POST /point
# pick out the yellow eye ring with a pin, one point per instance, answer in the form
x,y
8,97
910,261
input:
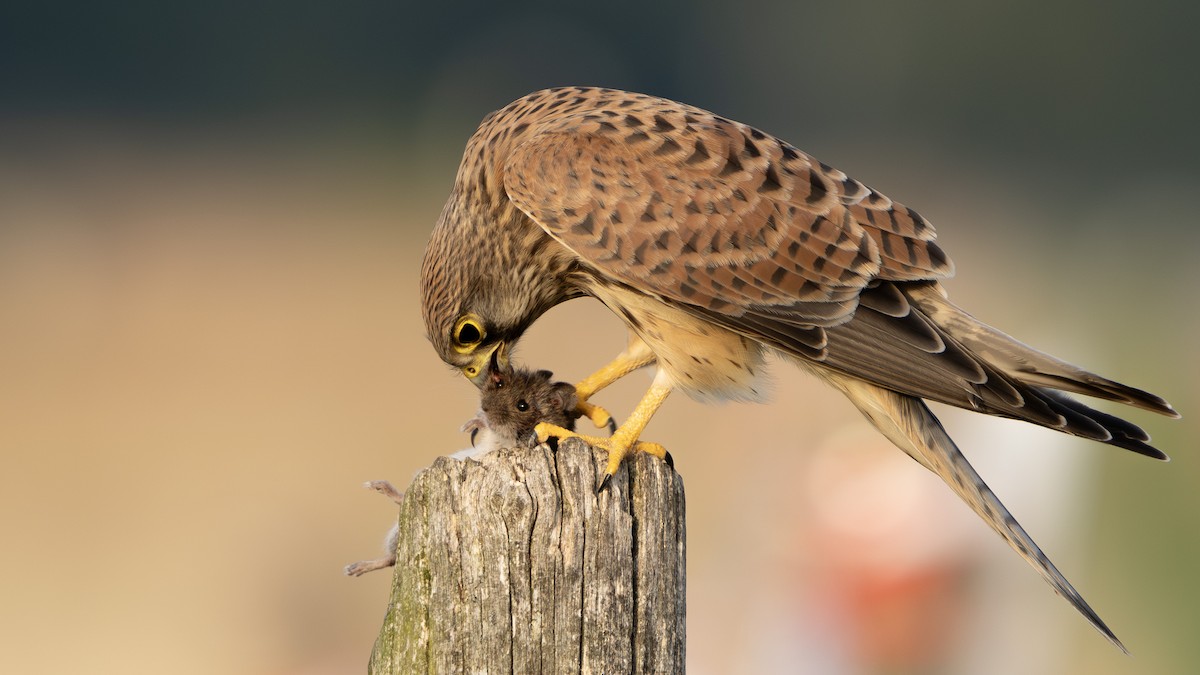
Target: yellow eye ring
x,y
468,333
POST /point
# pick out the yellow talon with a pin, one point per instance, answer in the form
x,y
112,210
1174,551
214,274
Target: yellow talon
x,y
625,439
598,416
545,431
617,449
617,454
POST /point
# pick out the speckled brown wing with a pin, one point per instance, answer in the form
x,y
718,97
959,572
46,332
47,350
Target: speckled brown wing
x,y
752,234
716,215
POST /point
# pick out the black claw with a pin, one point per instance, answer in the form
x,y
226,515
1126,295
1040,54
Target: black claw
x,y
603,483
612,426
670,460
474,433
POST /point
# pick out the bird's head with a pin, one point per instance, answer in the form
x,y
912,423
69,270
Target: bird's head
x,y
474,313
465,324
474,318
488,273
472,350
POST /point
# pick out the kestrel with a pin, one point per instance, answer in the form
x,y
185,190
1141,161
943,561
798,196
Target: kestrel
x,y
716,242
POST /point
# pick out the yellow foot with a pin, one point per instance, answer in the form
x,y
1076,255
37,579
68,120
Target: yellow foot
x,y
599,416
617,445
636,355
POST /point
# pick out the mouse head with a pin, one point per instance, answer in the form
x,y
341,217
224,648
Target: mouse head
x,y
514,400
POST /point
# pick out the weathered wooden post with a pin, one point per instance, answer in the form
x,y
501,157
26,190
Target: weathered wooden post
x,y
514,564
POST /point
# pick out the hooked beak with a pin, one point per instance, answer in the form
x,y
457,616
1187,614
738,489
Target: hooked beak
x,y
485,363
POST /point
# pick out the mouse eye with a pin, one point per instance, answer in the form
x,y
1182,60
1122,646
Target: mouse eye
x,y
522,405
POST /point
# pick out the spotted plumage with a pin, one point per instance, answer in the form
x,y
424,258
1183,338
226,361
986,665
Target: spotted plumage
x,y
716,242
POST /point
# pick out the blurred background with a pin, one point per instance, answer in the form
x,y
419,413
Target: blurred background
x,y
211,219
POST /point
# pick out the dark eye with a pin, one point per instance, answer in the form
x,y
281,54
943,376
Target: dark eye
x,y
468,333
522,405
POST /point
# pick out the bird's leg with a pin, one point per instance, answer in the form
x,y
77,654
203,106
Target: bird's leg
x,y
625,439
626,436
637,354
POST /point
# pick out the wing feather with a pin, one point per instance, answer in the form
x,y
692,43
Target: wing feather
x,y
714,214
741,228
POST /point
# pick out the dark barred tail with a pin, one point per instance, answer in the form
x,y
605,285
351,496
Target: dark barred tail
x,y
908,423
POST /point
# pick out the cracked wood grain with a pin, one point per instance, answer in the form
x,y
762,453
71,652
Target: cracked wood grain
x,y
514,564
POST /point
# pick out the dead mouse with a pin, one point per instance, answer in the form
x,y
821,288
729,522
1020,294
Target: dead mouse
x,y
512,402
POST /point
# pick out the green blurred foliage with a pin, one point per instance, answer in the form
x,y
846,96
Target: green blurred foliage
x,y
1011,77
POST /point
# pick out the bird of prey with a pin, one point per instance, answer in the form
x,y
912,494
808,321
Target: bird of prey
x,y
715,243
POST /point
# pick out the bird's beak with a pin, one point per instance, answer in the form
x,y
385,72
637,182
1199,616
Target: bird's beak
x,y
485,363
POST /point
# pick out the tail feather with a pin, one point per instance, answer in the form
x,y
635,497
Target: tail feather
x,y
1024,363
1121,433
908,423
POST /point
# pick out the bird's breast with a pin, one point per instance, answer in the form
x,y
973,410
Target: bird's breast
x,y
705,360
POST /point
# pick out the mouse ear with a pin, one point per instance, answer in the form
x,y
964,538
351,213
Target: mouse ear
x,y
495,376
544,374
498,368
565,396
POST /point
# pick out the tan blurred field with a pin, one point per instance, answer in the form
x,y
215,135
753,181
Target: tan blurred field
x,y
207,345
